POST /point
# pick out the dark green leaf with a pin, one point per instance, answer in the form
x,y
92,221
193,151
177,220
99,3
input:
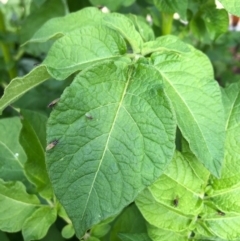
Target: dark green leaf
x,y
134,237
101,163
34,129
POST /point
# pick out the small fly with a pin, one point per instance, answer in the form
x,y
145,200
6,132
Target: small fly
x,y
175,202
51,145
220,213
89,116
53,103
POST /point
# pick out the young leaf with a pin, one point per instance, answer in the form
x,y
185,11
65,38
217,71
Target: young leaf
x,y
165,43
12,154
134,237
232,6
68,231
126,28
16,205
58,27
82,48
101,164
196,98
34,129
37,225
19,86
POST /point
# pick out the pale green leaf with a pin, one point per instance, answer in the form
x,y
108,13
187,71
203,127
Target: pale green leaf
x,y
165,43
143,27
82,48
112,5
68,231
126,28
181,187
161,216
115,130
134,237
16,205
58,27
38,224
196,98
12,154
20,85
232,6
34,129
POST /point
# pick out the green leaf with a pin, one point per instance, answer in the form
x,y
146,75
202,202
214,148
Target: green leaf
x,y
108,148
68,231
112,5
216,21
134,237
165,43
196,98
34,129
143,27
12,154
3,236
21,85
37,225
39,16
58,27
126,28
172,6
232,6
16,205
129,221
82,48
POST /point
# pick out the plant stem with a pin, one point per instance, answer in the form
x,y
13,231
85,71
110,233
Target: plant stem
x,y
167,19
6,51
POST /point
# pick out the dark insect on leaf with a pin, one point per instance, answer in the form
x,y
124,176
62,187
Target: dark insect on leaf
x,y
51,145
175,202
220,213
88,116
53,103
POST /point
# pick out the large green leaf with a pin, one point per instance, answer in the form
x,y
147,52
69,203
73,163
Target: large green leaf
x,y
82,48
232,6
58,27
19,86
196,98
16,205
115,134
12,155
126,28
34,129
37,225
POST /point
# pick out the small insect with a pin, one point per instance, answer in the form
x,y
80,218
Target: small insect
x,y
53,103
220,213
51,145
89,116
175,202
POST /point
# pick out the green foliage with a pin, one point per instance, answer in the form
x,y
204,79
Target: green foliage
x,y
139,141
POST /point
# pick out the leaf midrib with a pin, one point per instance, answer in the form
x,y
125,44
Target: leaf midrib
x,y
105,149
